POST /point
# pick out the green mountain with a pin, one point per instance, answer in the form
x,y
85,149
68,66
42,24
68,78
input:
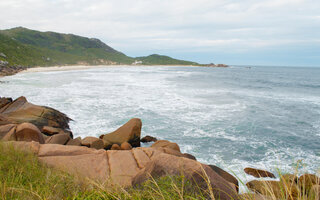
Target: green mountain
x,y
22,46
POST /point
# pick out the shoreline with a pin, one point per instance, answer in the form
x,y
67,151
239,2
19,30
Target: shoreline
x,y
83,67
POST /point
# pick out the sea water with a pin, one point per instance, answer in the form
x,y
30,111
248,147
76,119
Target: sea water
x,y
236,117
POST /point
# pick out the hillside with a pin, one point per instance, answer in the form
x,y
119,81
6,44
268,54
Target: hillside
x,y
22,46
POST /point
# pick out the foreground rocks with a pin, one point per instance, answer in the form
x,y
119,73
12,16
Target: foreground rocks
x,y
127,168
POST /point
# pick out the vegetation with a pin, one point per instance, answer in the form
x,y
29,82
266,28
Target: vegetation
x,y
26,47
23,177
163,60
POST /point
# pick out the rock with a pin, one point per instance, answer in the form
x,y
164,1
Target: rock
x,y
123,167
92,142
226,176
30,147
58,139
130,132
20,111
28,132
48,150
4,101
187,155
5,129
306,181
289,178
289,184
314,192
126,146
115,147
258,173
93,165
202,175
3,63
167,144
267,188
74,142
253,196
148,139
48,130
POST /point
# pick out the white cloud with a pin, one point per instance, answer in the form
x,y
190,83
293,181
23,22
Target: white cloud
x,y
177,25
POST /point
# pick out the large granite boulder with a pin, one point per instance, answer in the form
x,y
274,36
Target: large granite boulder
x,y
20,111
7,132
92,142
130,132
4,101
60,138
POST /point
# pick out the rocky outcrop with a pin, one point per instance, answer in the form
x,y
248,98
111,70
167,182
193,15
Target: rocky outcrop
x,y
127,167
228,177
7,70
28,132
258,173
92,142
20,111
130,132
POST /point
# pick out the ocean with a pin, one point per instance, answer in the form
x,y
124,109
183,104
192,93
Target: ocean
x,y
236,117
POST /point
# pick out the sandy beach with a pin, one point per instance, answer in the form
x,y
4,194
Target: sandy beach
x,y
66,68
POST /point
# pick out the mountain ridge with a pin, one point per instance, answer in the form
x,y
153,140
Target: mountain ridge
x,y
30,48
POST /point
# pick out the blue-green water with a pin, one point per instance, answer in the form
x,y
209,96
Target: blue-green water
x,y
265,117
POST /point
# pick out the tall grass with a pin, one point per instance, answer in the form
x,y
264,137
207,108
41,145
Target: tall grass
x,y
23,177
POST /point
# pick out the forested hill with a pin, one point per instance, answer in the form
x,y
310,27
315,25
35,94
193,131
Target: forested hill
x,y
22,46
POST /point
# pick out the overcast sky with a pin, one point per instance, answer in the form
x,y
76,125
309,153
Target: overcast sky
x,y
262,32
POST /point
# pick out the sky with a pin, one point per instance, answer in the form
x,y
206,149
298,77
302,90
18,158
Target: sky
x,y
236,32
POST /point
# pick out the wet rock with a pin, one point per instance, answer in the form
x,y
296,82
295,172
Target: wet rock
x,y
130,132
258,173
148,139
166,144
267,188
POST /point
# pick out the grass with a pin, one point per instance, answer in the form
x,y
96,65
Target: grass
x,y
23,177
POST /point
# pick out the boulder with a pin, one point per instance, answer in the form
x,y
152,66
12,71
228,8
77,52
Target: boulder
x,y
115,147
58,139
28,132
7,132
4,101
30,147
306,181
267,188
74,142
48,130
126,146
92,142
226,176
166,144
20,111
202,175
258,173
148,138
187,155
130,132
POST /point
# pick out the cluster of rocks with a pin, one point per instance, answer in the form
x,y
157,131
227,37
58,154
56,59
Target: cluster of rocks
x,y
115,158
7,70
217,65
290,186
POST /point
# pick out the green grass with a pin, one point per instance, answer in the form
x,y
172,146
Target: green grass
x,y
163,60
23,177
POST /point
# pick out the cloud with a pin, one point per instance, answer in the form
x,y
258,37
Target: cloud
x,y
177,26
